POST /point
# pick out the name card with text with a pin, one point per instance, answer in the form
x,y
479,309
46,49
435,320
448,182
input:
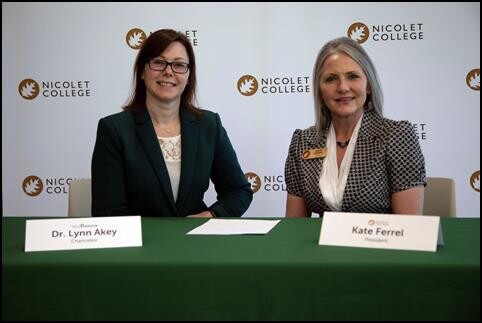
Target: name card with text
x,y
83,233
383,231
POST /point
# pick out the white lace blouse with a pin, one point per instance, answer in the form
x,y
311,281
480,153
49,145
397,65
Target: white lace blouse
x,y
171,150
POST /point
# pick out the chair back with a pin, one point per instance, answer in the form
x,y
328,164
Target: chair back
x,y
439,197
80,198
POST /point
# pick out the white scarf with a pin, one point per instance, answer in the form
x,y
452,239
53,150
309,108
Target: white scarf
x,y
333,181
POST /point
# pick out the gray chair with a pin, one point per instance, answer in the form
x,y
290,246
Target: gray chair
x,y
439,197
80,198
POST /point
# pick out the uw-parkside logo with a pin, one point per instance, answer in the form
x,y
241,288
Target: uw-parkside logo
x,y
269,183
473,79
361,32
475,181
248,85
136,37
29,89
33,185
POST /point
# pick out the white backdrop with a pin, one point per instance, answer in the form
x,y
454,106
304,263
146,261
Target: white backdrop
x,y
66,65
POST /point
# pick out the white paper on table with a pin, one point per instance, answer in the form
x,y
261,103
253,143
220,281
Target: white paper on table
x,y
235,226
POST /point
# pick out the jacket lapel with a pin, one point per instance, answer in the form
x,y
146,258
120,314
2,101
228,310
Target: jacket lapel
x,y
147,137
315,142
365,157
189,145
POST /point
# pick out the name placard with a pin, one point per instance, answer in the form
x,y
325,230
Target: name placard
x,y
83,233
383,231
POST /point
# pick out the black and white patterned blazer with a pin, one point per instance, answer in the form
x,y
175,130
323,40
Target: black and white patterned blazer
x,y
387,159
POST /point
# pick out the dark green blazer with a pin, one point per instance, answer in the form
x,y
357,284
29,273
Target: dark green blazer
x,y
129,175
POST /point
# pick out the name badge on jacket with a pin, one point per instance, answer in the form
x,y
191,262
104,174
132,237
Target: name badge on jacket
x,y
315,153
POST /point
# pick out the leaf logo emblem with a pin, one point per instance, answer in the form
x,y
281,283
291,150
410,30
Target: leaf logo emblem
x,y
254,180
247,85
135,38
32,185
475,181
28,89
473,79
359,32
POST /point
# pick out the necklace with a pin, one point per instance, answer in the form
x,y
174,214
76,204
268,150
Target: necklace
x,y
343,144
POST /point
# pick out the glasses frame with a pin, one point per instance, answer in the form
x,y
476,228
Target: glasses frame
x,y
168,64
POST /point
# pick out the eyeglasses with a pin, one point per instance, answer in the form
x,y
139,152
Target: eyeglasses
x,y
157,64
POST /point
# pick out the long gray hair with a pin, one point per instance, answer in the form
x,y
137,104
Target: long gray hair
x,y
351,48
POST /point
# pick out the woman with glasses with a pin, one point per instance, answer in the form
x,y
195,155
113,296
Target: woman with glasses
x,y
157,157
353,159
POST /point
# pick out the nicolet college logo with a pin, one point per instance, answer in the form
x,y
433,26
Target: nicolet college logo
x,y
28,89
359,32
473,79
254,180
135,38
269,183
475,181
247,85
32,185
